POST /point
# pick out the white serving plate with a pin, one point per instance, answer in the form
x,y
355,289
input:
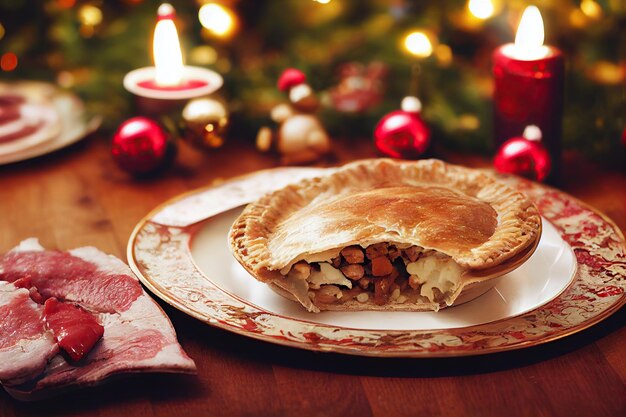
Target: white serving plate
x,y
544,276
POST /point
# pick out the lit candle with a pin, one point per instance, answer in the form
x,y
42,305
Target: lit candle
x,y
528,90
168,59
169,83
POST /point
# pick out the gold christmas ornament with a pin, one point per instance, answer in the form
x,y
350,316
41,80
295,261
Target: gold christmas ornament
x,y
205,121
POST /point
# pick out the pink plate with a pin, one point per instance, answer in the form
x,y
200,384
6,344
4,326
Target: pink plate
x,y
576,278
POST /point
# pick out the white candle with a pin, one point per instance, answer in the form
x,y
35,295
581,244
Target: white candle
x,y
169,79
168,59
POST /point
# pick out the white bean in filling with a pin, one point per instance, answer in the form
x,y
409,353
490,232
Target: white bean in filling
x,y
327,275
433,272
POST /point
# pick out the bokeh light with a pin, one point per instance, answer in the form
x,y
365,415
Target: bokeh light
x,y
90,15
203,55
482,9
418,44
607,73
577,18
66,79
468,121
444,56
591,9
217,19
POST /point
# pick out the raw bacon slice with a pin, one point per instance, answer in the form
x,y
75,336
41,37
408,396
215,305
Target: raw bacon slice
x,y
26,283
25,346
70,277
138,336
75,330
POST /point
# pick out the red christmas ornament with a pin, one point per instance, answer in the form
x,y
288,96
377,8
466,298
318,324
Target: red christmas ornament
x,y
525,156
403,133
139,145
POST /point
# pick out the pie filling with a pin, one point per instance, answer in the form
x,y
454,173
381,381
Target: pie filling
x,y
382,273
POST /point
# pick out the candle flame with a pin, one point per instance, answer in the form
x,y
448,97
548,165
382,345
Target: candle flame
x,y
530,35
168,58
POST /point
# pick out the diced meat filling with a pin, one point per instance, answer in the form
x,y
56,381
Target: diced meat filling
x,y
353,271
412,253
381,266
382,272
353,255
376,250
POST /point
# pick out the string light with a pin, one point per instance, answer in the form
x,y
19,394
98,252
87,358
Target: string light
x,y
90,15
217,19
203,55
591,9
577,18
608,73
443,54
481,9
468,122
418,44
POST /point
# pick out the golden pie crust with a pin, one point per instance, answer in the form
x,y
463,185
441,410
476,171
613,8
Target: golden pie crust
x,y
460,213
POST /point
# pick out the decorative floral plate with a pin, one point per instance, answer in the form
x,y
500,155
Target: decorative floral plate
x,y
66,110
575,278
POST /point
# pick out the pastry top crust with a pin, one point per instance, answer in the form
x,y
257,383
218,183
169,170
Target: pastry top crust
x,y
464,213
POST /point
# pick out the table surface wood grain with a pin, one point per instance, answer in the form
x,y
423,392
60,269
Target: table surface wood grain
x,y
78,197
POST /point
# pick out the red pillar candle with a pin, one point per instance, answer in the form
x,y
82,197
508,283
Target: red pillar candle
x,y
528,90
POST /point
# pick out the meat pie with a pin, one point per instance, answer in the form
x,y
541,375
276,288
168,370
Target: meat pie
x,y
387,235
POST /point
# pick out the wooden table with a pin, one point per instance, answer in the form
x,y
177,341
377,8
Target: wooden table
x,y
78,197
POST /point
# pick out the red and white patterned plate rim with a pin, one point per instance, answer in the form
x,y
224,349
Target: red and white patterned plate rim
x,y
159,253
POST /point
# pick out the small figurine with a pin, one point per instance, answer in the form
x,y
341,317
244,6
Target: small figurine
x,y
300,138
360,87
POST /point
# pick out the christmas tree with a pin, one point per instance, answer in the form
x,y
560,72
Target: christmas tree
x,y
365,50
